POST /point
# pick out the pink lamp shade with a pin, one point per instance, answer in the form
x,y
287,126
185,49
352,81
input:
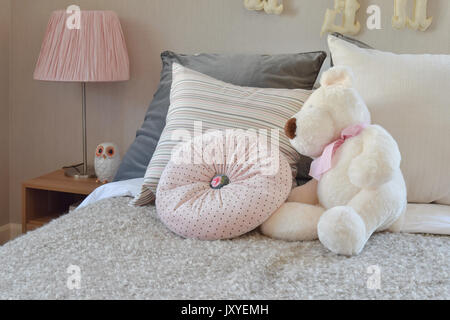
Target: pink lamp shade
x,y
96,52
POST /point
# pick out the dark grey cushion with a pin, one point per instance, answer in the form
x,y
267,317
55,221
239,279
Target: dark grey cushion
x,y
288,71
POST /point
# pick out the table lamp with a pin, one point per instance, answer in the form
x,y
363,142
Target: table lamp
x,y
94,51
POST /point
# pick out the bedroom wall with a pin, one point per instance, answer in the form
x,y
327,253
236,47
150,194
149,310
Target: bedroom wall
x,y
4,110
46,127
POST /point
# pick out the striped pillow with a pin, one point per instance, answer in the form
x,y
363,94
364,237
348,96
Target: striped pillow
x,y
199,103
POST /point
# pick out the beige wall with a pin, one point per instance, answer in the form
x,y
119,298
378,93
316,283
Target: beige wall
x,y
4,109
45,127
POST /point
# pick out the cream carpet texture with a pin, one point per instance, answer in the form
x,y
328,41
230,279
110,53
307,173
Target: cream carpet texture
x,y
120,252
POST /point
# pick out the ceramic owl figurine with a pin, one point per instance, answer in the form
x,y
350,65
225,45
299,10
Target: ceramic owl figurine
x,y
107,161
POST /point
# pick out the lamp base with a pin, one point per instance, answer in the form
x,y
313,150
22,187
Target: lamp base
x,y
76,172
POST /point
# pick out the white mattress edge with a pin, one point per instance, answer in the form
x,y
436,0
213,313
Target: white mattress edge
x,y
419,218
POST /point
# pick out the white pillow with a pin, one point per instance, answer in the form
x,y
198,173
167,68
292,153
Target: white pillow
x,y
195,98
409,95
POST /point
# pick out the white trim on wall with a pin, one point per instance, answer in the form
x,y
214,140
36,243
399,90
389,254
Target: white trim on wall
x,y
9,232
15,230
5,234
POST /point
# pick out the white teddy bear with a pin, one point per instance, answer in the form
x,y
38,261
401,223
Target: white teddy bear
x,y
358,187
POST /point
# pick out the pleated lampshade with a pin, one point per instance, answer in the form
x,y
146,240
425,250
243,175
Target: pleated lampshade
x,y
96,52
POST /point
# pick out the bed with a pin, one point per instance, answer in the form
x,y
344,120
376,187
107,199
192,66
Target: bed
x,y
125,252
109,249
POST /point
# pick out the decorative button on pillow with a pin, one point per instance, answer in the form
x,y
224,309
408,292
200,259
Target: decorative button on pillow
x,y
222,185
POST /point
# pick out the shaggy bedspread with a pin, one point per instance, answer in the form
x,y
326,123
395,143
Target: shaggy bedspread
x,y
126,253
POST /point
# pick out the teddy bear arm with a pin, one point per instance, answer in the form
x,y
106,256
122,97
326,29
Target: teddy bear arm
x,y
379,160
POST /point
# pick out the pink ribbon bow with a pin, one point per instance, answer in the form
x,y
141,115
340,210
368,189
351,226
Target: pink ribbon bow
x,y
323,163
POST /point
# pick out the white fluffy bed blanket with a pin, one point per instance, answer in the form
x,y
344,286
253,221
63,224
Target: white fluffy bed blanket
x,y
126,253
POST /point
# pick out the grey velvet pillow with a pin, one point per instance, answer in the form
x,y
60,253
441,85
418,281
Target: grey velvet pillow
x,y
288,71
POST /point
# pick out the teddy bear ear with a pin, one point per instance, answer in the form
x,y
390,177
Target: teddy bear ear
x,y
338,76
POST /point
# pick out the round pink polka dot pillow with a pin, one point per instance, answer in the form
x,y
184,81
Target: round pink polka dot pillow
x,y
222,185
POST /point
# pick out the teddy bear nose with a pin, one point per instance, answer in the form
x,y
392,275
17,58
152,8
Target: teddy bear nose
x,y
291,128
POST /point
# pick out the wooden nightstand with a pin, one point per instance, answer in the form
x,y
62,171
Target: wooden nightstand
x,y
50,196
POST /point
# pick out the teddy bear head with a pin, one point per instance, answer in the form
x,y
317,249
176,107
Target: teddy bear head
x,y
333,107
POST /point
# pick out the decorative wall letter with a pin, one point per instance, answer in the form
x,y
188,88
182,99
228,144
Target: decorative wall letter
x,y
272,7
419,21
400,16
269,6
74,20
254,4
374,20
348,9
